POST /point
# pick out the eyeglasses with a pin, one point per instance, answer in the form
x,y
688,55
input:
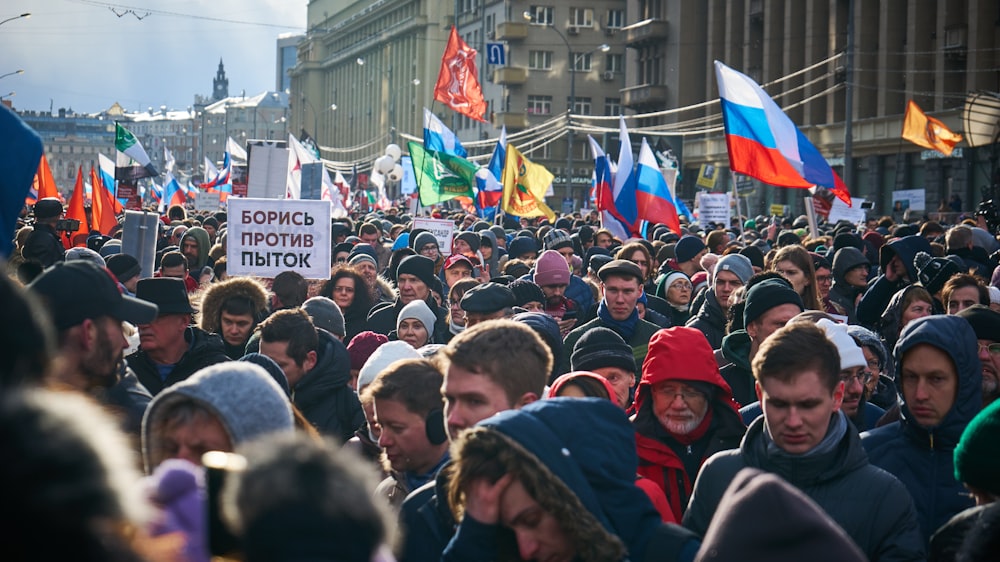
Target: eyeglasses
x,y
343,289
992,348
864,377
824,279
687,396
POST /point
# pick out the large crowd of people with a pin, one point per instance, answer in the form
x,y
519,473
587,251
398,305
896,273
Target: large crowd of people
x,y
545,391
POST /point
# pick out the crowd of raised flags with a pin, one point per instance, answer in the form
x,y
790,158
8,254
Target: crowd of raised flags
x,y
628,193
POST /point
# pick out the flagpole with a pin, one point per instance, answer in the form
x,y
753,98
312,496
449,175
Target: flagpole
x,y
736,195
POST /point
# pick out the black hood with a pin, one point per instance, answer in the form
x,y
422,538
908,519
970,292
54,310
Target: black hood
x,y
332,371
906,248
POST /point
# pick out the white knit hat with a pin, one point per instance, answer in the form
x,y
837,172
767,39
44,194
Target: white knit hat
x,y
387,354
851,355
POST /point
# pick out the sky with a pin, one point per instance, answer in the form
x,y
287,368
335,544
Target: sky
x,y
80,55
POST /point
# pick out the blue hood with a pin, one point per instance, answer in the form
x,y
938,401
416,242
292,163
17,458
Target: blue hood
x,y
589,444
906,248
954,336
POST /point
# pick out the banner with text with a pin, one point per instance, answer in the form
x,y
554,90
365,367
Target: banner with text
x,y
905,199
268,236
841,212
714,207
442,229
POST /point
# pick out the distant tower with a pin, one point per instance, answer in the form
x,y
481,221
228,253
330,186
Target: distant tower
x,y
220,84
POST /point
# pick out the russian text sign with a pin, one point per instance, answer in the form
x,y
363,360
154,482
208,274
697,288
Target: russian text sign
x,y
268,236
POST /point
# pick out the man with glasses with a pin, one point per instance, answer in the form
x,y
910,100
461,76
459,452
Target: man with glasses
x,y
684,413
985,323
805,438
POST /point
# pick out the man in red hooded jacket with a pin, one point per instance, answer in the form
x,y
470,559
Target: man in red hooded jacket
x,y
684,412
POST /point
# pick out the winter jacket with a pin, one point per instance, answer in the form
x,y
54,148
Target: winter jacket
x,y
682,354
841,294
869,504
43,246
382,318
585,445
711,320
922,457
639,340
881,289
948,539
737,372
204,349
426,521
578,290
323,396
127,397
217,294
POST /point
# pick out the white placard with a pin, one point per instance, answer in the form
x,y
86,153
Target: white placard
x,y
268,236
442,229
839,211
268,173
714,207
206,201
904,199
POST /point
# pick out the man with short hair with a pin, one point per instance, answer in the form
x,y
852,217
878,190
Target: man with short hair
x,y
960,241
414,279
604,238
232,309
289,290
44,246
489,301
685,413
408,409
478,383
371,234
939,377
87,313
170,348
805,438
173,265
456,268
318,369
985,323
962,291
731,272
769,305
621,285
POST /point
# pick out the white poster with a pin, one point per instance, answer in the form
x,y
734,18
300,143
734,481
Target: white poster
x,y
714,207
841,212
442,229
909,199
206,201
268,236
268,173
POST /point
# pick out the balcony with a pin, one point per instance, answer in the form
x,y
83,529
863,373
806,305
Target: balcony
x,y
645,95
510,75
510,120
511,30
646,31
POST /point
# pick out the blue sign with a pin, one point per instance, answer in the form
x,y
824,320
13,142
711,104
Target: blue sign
x,y
496,54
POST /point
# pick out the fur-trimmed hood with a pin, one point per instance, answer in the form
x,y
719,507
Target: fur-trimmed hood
x,y
218,293
384,290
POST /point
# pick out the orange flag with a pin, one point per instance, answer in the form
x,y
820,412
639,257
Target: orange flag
x,y
928,132
76,211
45,184
103,217
458,83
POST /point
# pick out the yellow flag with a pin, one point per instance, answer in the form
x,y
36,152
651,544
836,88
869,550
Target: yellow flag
x,y
524,186
928,132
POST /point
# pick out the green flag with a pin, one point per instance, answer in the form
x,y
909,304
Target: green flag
x,y
132,162
441,176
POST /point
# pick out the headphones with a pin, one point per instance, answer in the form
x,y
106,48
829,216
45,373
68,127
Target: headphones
x,y
434,427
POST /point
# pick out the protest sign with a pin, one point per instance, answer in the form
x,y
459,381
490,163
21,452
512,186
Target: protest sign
x,y
909,199
268,236
442,229
854,214
206,201
714,207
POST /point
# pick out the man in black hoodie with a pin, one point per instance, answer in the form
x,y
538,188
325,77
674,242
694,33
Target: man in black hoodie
x,y
317,367
850,279
897,271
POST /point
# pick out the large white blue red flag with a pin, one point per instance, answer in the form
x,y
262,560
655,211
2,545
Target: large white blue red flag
x,y
440,138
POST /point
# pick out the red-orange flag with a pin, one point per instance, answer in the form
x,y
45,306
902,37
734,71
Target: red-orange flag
x,y
76,211
928,132
44,184
458,83
102,214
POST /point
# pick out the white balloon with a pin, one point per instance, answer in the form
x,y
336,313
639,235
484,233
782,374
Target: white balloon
x,y
393,151
383,164
396,173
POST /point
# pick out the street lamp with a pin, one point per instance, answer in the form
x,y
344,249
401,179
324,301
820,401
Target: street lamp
x,y
573,61
24,15
8,95
18,71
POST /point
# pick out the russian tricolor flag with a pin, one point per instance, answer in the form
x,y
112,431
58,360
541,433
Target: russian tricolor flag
x,y
764,143
489,190
604,177
652,195
440,138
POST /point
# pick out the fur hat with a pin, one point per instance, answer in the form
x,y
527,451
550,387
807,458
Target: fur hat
x,y
217,294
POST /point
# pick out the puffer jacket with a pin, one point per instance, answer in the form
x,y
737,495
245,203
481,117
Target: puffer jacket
x,y
842,294
682,354
922,457
205,349
870,505
323,396
710,320
210,318
737,372
880,290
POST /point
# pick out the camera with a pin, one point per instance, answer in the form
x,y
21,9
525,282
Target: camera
x,y
67,225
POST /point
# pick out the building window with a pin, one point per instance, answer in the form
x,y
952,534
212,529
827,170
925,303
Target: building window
x,y
614,63
540,60
541,15
582,62
581,17
540,105
616,19
612,106
581,106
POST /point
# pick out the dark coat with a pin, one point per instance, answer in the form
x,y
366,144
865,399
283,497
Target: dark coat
x,y
922,457
711,320
426,521
323,396
841,293
881,289
43,246
204,350
639,340
868,503
737,372
382,318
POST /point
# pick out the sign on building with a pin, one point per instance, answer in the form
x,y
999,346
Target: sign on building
x,y
496,54
268,236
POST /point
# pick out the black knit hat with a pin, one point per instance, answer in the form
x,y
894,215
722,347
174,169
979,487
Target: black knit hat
x,y
124,266
934,272
755,256
419,266
766,295
985,321
525,291
687,248
471,238
602,347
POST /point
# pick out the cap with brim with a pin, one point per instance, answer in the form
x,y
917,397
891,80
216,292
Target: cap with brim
x,y
457,258
620,267
79,290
